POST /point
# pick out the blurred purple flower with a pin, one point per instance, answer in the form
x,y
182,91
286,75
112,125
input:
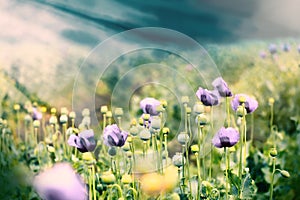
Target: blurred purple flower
x,y
113,136
208,98
36,115
221,86
60,183
273,48
286,47
148,105
299,48
250,103
226,137
263,54
84,142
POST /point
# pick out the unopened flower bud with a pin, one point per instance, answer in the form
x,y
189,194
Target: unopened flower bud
x,y
119,112
285,173
166,130
164,103
126,179
87,156
188,110
146,117
108,177
53,111
36,123
43,109
271,101
133,122
194,148
185,99
103,109
112,151
141,121
273,152
109,114
72,115
16,107
50,149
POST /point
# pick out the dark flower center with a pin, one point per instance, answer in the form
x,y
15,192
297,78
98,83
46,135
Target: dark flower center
x,y
149,109
225,141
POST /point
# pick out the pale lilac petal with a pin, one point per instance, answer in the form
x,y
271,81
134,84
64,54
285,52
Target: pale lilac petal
x,y
60,182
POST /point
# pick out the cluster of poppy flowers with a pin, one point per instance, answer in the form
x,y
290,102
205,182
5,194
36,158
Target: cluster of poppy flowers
x,y
114,136
225,137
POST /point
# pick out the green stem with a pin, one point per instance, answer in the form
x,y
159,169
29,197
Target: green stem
x,y
199,175
90,185
228,111
272,178
104,121
211,146
119,122
226,172
94,182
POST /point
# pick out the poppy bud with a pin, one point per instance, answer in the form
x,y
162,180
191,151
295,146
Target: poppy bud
x,y
103,109
273,152
285,173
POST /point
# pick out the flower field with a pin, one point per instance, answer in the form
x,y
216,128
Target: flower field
x,y
237,137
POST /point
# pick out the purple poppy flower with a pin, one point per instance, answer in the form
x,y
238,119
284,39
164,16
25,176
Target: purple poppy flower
x,y
208,98
299,48
113,136
60,183
148,105
273,48
84,142
250,103
36,115
221,86
226,137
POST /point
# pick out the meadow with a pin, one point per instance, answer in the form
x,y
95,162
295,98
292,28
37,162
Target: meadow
x,y
236,137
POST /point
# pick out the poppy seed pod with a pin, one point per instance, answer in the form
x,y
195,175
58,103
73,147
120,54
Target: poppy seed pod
x,y
145,135
178,160
183,138
198,108
109,114
155,122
